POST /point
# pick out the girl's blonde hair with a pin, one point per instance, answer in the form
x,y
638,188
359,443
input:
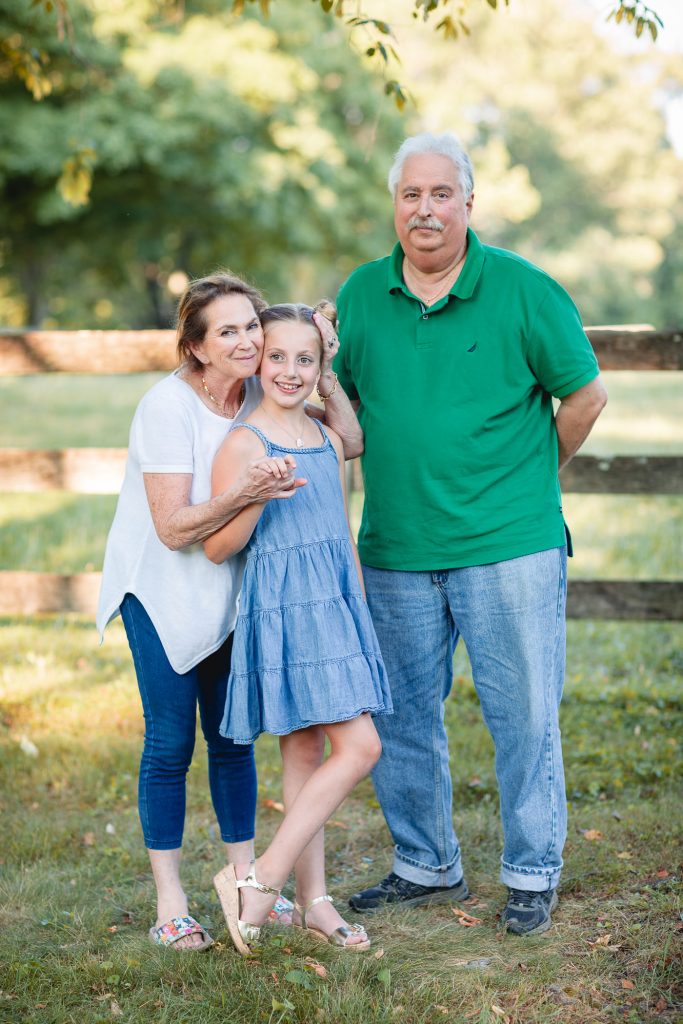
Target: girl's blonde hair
x,y
297,312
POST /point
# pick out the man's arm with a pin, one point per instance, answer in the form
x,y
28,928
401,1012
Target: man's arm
x,y
575,418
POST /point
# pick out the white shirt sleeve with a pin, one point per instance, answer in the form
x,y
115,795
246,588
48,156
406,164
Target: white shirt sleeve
x,y
162,436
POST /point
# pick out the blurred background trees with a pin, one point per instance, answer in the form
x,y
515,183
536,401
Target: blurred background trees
x,y
166,140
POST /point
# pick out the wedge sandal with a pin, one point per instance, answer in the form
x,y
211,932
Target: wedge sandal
x,y
228,885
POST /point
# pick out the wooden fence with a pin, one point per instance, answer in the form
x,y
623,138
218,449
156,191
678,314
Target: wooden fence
x,y
100,470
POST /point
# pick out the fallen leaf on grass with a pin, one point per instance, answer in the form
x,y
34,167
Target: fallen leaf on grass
x,y
276,980
335,824
474,782
661,1004
40,1006
627,983
500,1012
625,855
299,978
88,839
113,928
466,920
663,874
317,968
604,941
472,965
274,805
441,1009
116,1010
28,747
591,833
379,954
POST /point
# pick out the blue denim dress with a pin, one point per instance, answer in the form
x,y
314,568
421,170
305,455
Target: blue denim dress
x,y
304,650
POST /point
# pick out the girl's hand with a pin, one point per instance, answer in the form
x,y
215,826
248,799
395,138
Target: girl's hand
x,y
272,477
330,342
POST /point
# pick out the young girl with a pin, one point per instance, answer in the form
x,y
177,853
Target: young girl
x,y
306,663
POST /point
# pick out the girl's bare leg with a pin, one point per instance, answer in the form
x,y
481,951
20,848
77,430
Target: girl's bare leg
x,y
302,753
355,748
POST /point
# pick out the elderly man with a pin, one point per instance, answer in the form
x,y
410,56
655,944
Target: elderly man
x,y
454,350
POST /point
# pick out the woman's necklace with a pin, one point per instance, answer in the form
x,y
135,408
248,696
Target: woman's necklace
x,y
299,441
240,399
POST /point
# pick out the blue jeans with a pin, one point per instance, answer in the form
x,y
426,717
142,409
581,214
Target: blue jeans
x,y
511,617
169,703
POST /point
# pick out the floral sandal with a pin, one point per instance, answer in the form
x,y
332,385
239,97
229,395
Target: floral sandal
x,y
178,928
340,936
228,885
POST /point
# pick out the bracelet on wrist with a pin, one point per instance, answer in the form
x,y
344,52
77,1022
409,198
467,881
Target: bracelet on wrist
x,y
322,397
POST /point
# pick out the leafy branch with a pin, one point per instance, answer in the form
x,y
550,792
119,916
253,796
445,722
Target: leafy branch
x,y
448,21
638,14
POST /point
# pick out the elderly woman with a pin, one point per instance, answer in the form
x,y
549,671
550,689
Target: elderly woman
x,y
178,608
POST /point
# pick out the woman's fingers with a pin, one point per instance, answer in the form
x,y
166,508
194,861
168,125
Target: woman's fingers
x,y
273,477
329,336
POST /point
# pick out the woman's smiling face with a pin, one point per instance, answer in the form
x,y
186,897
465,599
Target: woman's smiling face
x,y
233,341
291,361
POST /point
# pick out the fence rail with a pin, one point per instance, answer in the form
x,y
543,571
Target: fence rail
x,y
25,352
100,470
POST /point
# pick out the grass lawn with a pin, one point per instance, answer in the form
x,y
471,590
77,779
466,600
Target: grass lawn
x,y
75,887
76,891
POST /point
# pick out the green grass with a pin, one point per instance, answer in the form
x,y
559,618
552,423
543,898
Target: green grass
x,y
76,893
65,410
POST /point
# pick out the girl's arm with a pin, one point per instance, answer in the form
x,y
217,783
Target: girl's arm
x,y
239,449
338,447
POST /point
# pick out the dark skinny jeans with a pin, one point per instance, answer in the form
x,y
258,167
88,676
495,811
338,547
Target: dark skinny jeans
x,y
169,703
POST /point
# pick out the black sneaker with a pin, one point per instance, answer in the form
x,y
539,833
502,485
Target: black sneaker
x,y
394,889
528,913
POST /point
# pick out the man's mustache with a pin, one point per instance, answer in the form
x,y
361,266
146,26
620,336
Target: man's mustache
x,y
433,223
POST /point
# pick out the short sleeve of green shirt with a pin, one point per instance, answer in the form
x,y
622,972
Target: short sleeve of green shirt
x,y
558,351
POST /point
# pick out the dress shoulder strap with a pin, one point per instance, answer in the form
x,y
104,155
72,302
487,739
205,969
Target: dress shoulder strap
x,y
259,433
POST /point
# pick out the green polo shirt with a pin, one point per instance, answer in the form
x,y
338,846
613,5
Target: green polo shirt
x,y
460,462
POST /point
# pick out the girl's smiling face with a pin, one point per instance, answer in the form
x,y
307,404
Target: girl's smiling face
x,y
291,361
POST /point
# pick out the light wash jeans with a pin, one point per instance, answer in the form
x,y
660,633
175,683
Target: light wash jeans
x,y
511,616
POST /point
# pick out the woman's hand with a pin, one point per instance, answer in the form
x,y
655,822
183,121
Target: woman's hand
x,y
330,346
271,477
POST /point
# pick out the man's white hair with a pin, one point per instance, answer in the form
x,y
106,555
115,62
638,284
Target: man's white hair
x,y
444,145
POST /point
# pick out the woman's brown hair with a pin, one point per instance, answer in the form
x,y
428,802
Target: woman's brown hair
x,y
191,322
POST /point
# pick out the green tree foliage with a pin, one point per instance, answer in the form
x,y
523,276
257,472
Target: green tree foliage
x,y
568,139
173,141
181,143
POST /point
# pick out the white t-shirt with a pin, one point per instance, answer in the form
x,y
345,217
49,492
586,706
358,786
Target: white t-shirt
x,y
191,601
